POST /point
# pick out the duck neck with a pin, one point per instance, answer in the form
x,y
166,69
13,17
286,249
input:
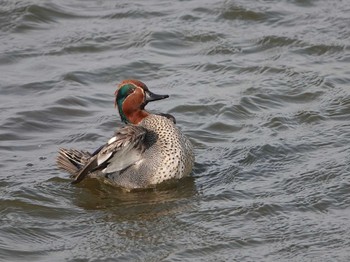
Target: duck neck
x,y
136,116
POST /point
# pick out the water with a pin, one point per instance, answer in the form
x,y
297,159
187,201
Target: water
x,y
260,87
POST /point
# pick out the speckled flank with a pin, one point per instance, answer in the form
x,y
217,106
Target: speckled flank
x,y
169,155
174,154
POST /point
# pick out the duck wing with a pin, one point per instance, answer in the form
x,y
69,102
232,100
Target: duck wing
x,y
121,151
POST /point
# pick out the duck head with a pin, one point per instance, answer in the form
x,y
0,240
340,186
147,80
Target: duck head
x,y
131,98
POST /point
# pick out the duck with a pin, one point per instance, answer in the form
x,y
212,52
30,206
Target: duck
x,y
147,151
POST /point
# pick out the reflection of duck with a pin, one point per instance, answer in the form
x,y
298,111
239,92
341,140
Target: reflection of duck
x,y
147,151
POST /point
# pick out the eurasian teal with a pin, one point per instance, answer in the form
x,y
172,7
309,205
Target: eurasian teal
x,y
149,150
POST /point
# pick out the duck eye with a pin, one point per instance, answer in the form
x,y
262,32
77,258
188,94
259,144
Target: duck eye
x,y
130,91
125,91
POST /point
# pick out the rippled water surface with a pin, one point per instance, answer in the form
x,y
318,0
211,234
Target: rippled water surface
x,y
262,88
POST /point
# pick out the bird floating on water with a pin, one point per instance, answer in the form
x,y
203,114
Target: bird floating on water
x,y
148,150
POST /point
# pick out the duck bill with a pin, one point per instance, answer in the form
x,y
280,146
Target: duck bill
x,y
154,97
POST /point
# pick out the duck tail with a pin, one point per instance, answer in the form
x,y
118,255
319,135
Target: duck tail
x,y
71,160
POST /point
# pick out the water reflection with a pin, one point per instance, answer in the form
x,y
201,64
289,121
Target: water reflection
x,y
165,200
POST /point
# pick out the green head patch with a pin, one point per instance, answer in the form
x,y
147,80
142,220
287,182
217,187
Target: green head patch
x,y
122,94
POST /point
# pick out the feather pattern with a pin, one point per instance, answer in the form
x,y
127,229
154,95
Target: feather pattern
x,y
123,150
72,160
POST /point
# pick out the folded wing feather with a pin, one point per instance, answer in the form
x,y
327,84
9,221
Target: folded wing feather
x,y
121,151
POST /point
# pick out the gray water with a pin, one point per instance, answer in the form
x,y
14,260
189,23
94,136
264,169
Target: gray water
x,y
262,88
